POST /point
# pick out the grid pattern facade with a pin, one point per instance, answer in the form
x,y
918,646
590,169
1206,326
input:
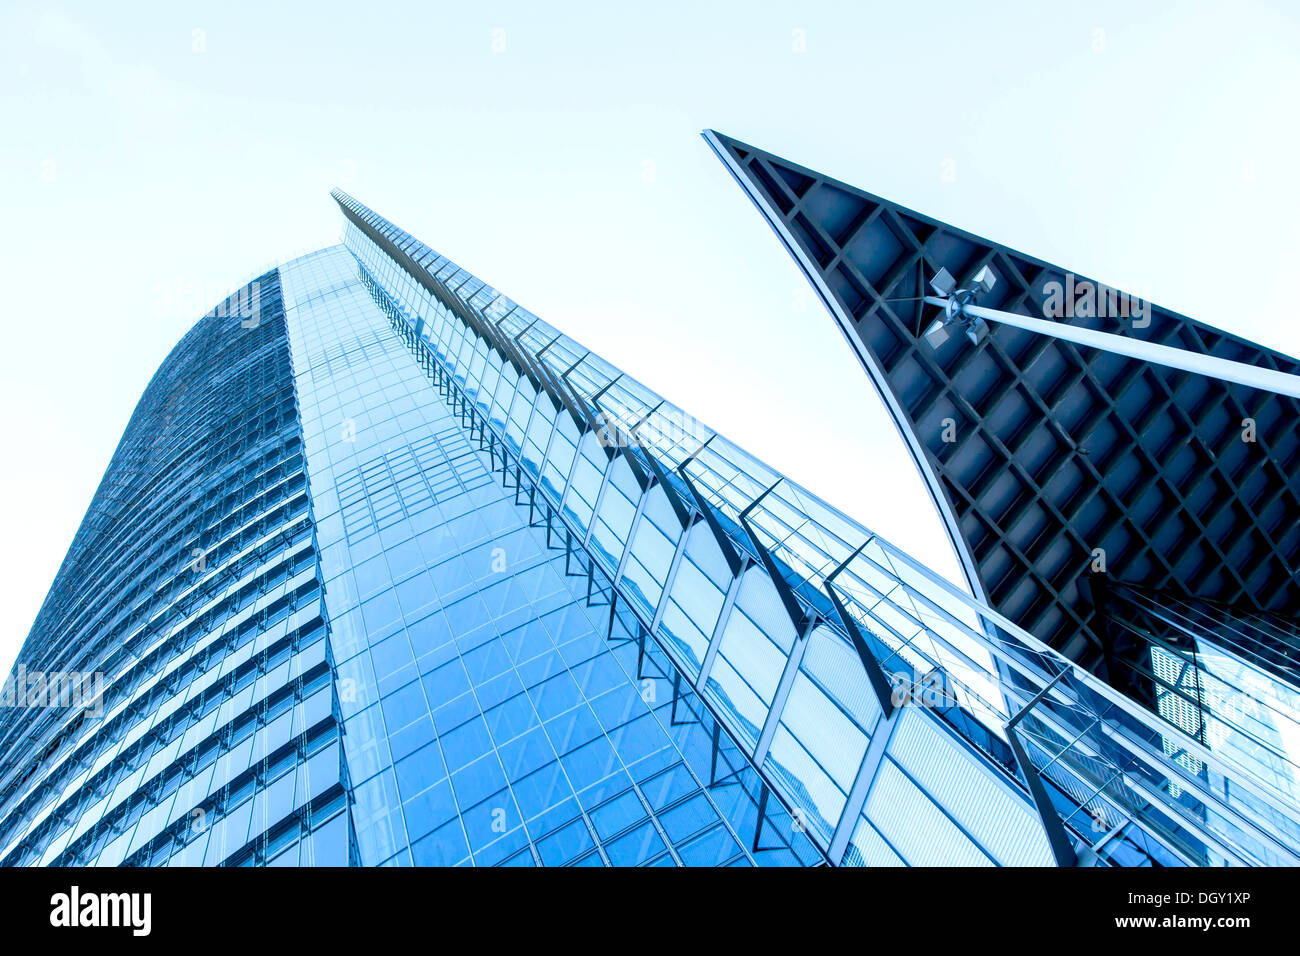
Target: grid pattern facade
x,y
779,683
192,591
490,716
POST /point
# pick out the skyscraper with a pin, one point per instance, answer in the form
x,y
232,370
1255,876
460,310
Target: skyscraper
x,y
388,571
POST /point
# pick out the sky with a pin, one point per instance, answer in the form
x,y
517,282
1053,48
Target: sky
x,y
157,156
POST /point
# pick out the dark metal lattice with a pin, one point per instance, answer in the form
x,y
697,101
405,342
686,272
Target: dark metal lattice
x,y
1037,451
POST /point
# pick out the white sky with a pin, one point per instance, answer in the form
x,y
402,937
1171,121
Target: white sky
x,y
150,169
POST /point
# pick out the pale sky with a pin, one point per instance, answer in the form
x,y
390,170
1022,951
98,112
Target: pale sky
x,y
158,155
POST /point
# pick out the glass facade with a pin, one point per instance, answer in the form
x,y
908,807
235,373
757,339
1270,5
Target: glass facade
x,y
191,604
1225,678
488,715
388,571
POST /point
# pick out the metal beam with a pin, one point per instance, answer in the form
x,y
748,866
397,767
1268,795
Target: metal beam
x,y
1251,376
